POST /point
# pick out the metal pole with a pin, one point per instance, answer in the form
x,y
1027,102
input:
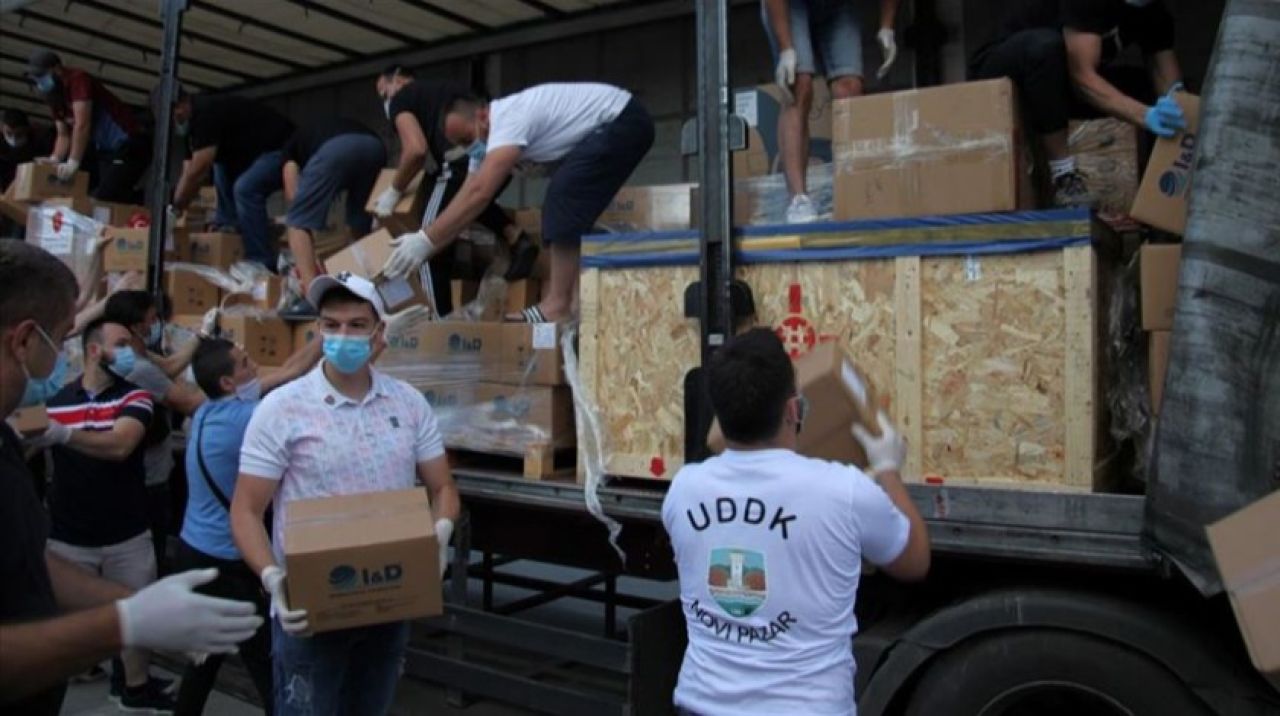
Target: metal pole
x,y
171,14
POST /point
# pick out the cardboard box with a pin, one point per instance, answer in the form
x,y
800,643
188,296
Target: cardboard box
x,y
545,411
189,293
839,395
1166,185
29,421
1158,278
125,215
1246,546
216,249
531,354
267,291
357,560
409,210
79,204
761,107
953,149
463,292
14,211
1157,365
366,258
37,181
434,352
522,294
268,340
529,220
648,208
67,234
1106,152
128,249
304,333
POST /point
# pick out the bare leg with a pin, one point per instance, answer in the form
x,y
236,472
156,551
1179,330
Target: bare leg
x,y
793,135
562,294
846,87
304,256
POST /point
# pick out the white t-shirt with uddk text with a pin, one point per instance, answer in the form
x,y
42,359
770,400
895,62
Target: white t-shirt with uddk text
x,y
769,547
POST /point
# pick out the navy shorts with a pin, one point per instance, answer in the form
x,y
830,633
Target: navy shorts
x,y
347,162
591,174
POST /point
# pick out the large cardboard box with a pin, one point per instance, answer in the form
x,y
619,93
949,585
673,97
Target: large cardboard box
x,y
366,258
357,560
1166,185
37,181
128,215
304,332
648,208
838,396
761,107
543,413
268,340
953,149
216,249
522,294
29,421
1246,546
14,211
65,233
189,293
409,210
1158,278
1157,366
437,352
265,294
127,250
531,354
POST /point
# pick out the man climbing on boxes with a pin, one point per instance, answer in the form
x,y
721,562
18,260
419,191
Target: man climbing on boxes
x,y
1061,56
588,137
342,429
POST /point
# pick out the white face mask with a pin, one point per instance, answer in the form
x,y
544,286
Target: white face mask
x,y
386,107
14,140
1138,3
250,391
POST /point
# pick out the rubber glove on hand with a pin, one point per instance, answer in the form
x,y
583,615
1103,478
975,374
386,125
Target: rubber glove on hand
x,y
1165,117
885,452
209,324
293,621
55,434
409,252
785,74
169,616
67,169
444,532
385,204
888,48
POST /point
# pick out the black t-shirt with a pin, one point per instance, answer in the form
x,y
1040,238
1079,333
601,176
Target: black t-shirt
x,y
427,101
1119,23
26,593
242,129
310,136
94,502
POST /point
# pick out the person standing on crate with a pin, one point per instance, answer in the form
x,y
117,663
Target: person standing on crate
x,y
811,37
342,429
324,157
587,137
94,129
1060,54
235,386
769,545
241,141
415,108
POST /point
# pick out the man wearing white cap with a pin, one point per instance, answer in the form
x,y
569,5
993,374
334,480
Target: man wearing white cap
x,y
344,428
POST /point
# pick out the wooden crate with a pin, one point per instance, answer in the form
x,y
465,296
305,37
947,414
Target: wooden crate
x,y
991,360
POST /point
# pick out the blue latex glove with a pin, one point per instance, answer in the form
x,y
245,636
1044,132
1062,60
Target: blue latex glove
x,y
1165,117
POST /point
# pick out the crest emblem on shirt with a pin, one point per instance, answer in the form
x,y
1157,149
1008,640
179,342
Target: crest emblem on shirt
x,y
736,580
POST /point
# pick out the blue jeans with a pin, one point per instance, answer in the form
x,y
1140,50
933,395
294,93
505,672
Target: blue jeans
x,y
351,671
242,203
826,36
347,162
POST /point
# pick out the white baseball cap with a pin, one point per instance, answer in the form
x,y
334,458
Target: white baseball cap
x,y
358,285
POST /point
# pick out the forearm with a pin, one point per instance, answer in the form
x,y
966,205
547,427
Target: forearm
x,y
189,182
176,362
461,212
891,482
294,367
290,181
79,140
37,655
101,444
251,539
75,588
61,145
1165,70
445,502
888,14
1103,95
411,161
780,22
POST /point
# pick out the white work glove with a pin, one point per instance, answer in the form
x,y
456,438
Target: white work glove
x,y
55,434
169,616
385,204
889,48
67,169
785,74
209,323
885,452
293,621
410,250
444,533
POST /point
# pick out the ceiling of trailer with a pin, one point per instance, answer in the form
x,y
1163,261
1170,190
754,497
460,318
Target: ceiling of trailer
x,y
227,43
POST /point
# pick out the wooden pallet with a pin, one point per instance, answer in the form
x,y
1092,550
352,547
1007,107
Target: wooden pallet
x,y
536,462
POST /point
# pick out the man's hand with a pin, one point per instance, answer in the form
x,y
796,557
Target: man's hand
x,y
1165,117
410,250
55,434
888,48
785,74
385,204
444,532
66,170
169,616
293,621
885,452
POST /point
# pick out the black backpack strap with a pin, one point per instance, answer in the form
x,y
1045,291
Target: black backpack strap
x,y
204,469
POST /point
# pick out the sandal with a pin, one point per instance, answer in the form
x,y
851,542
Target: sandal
x,y
532,314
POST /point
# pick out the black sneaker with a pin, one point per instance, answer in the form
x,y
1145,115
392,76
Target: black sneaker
x,y
97,673
1071,191
152,697
299,310
162,685
524,253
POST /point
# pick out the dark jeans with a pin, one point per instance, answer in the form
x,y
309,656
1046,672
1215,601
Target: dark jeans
x,y
235,581
350,671
1036,61
116,174
160,515
242,203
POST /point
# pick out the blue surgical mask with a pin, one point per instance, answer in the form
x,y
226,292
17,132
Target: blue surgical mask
x,y
39,390
45,83
347,353
124,361
477,149
181,128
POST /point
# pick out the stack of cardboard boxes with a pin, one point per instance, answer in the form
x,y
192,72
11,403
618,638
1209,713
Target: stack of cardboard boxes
x,y
1158,278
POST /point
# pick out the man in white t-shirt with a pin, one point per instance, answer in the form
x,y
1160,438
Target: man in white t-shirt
x,y
342,429
587,137
769,546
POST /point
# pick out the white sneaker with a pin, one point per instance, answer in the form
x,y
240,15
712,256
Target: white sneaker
x,y
801,210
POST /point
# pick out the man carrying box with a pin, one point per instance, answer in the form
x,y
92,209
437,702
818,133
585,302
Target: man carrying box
x,y
589,136
769,545
1060,52
342,429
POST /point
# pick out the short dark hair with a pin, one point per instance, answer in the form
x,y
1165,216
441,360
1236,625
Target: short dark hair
x,y
465,104
92,332
34,285
341,294
16,118
397,70
211,363
128,308
750,380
